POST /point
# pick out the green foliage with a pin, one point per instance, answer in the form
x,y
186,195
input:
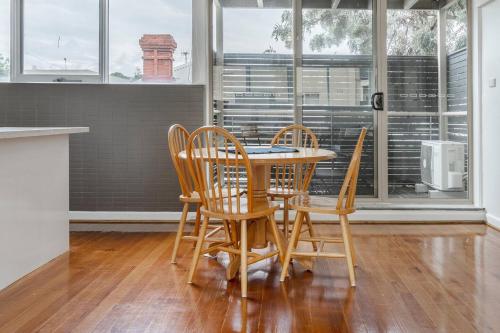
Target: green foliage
x,y
120,75
137,75
409,32
283,31
350,26
4,66
412,32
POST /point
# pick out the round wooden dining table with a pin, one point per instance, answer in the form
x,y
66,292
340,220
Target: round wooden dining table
x,y
258,233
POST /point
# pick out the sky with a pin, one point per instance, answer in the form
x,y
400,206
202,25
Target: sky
x,y
130,19
64,34
249,30
61,34
4,27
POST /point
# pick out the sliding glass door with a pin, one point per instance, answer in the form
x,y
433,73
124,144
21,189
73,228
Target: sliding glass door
x,y
427,100
335,83
398,68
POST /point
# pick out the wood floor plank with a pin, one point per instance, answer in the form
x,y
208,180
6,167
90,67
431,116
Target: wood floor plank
x,y
410,278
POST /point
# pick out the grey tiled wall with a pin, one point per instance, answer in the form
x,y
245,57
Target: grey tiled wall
x,y
123,164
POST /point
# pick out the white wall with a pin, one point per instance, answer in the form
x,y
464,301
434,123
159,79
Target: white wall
x,y
487,56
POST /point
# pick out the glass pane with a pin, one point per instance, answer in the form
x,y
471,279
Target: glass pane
x,y
456,27
336,86
150,41
427,151
253,73
412,62
406,134
4,40
61,37
456,80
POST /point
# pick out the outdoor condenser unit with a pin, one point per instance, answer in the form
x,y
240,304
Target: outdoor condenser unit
x,y
442,165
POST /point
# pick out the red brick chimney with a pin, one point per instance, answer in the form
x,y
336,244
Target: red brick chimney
x,y
158,57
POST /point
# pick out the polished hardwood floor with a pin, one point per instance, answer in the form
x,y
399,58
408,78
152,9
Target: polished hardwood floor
x,y
410,278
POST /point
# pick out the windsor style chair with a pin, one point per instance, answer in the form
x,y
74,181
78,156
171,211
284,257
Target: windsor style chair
x,y
306,204
291,179
216,157
177,139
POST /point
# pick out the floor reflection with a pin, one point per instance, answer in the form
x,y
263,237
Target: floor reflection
x,y
418,278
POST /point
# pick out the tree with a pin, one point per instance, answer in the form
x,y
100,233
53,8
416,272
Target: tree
x,y
4,66
137,75
120,75
456,26
410,32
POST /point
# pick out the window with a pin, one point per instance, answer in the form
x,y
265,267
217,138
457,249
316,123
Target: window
x,y
61,37
117,41
150,41
4,40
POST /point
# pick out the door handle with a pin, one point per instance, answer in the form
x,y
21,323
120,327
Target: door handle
x,y
378,101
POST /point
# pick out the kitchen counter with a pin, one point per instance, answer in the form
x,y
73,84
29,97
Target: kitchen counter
x,y
34,198
21,132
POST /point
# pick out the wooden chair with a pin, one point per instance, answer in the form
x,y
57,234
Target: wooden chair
x,y
216,157
177,139
345,205
290,180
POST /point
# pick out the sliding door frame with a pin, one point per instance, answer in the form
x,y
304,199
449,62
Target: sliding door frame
x,y
297,60
381,134
380,70
384,115
379,81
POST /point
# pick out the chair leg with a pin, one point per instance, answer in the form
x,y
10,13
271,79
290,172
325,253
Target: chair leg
x,y
311,230
234,233
286,221
180,232
277,238
227,231
244,258
349,234
234,259
197,222
347,246
197,251
292,244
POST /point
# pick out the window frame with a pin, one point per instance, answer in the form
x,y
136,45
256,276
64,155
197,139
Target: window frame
x,y
17,50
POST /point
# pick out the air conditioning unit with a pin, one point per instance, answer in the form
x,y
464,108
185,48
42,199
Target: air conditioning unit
x,y
442,164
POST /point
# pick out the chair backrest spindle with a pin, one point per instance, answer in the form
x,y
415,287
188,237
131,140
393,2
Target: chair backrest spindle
x,y
177,140
347,194
217,162
294,176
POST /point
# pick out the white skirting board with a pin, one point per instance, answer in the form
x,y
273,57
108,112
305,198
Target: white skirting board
x,y
493,221
167,221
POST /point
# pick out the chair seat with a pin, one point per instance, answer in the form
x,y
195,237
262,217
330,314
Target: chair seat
x,y
284,193
318,204
243,214
195,196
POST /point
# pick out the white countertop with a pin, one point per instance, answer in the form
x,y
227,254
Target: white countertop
x,y
22,132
